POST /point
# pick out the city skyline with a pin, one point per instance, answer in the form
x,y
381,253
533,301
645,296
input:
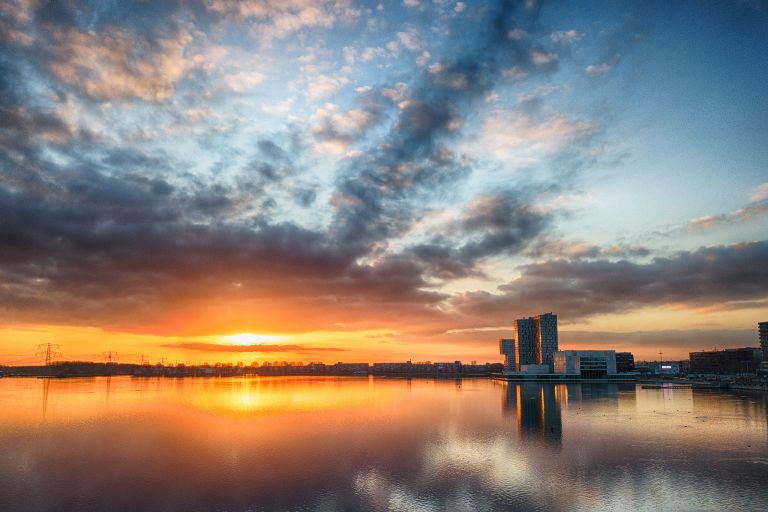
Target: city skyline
x,y
349,181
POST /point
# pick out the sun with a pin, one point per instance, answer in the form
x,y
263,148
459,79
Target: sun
x,y
249,338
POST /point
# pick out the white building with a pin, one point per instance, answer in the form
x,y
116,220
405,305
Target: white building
x,y
586,363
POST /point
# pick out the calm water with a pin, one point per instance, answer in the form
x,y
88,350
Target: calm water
x,y
363,444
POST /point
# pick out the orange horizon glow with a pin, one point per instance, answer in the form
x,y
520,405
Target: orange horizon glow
x,y
423,342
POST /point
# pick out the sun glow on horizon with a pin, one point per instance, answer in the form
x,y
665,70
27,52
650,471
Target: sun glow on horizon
x,y
248,338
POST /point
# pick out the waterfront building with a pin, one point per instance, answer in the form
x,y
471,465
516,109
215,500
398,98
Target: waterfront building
x,y
537,339
728,361
409,368
625,362
508,349
762,328
535,368
547,338
586,363
666,368
528,349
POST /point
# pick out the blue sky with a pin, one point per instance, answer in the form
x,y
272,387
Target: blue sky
x,y
430,170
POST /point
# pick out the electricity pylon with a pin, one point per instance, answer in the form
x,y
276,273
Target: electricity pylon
x,y
48,351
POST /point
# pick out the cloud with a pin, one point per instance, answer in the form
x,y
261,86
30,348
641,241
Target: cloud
x,y
243,81
679,342
261,348
370,53
377,198
411,40
350,54
544,59
490,225
550,248
280,19
515,136
597,69
322,86
119,65
760,193
145,184
578,289
747,213
339,129
566,37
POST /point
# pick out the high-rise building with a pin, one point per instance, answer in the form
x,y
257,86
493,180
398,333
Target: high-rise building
x,y
508,349
547,337
527,333
763,329
537,339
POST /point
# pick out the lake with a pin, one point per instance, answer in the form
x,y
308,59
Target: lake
x,y
317,444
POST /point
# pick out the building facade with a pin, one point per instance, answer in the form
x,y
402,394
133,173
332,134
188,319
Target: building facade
x,y
537,340
728,361
586,363
529,350
625,362
508,349
762,328
546,324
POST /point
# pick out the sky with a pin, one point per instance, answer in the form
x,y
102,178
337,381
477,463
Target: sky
x,y
310,180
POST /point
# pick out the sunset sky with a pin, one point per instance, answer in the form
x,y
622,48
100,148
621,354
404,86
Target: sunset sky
x,y
302,180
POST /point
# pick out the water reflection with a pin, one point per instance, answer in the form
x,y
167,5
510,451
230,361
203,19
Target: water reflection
x,y
375,444
46,390
536,407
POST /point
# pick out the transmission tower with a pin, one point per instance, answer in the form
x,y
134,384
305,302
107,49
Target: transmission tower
x,y
143,359
48,351
110,357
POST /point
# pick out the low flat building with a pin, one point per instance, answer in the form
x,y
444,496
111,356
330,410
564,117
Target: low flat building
x,y
534,368
728,361
668,368
585,363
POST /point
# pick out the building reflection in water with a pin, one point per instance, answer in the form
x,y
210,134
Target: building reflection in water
x,y
537,407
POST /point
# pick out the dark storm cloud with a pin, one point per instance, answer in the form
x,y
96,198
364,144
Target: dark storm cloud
x,y
683,341
492,225
215,347
86,240
709,276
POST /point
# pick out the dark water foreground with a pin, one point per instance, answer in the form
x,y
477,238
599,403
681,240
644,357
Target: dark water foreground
x,y
298,443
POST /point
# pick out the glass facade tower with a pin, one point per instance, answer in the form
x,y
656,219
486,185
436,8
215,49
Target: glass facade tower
x,y
537,339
